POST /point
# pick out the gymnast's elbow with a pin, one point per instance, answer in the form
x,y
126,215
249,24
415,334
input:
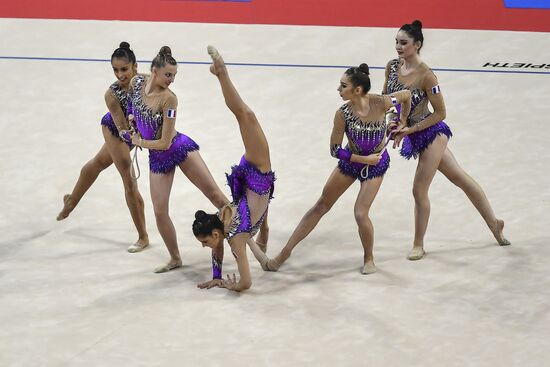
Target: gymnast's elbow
x,y
164,145
245,284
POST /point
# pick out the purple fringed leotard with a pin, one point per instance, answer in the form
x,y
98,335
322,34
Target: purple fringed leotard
x,y
122,96
415,143
149,124
363,139
246,177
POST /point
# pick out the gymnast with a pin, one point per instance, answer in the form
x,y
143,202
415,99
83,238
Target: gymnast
x,y
425,135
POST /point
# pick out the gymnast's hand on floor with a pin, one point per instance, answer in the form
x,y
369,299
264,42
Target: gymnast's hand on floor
x,y
230,284
211,284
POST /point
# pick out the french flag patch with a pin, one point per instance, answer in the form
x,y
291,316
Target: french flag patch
x,y
436,90
171,114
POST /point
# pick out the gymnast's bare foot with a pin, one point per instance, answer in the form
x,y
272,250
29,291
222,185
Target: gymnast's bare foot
x,y
218,65
173,264
67,208
499,236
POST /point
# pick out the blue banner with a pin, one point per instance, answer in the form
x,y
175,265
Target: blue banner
x,y
527,4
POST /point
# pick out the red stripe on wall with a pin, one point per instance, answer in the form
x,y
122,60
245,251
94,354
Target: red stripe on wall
x,y
465,14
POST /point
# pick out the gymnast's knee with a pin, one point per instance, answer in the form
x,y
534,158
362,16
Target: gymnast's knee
x,y
92,167
161,211
420,193
245,114
130,187
458,178
322,206
361,215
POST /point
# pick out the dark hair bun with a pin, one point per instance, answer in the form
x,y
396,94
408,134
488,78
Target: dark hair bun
x,y
200,215
417,24
364,68
124,44
165,50
204,224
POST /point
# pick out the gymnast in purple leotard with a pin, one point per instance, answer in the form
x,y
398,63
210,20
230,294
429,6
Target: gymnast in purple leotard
x,y
153,107
115,149
251,183
425,135
362,120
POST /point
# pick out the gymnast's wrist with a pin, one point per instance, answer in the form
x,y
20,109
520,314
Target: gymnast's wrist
x,y
216,268
337,152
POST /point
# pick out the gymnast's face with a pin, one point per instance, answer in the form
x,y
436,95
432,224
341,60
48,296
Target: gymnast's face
x,y
212,240
405,45
124,70
165,75
345,88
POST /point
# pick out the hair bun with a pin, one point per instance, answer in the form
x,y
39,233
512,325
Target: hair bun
x,y
124,44
364,68
200,215
417,24
165,50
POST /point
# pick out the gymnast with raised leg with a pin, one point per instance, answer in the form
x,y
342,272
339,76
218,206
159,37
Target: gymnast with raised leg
x,y
252,185
153,108
115,149
425,135
364,159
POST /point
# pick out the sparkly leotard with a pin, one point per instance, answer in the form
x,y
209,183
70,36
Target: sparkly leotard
x,y
122,96
245,178
415,143
149,124
363,139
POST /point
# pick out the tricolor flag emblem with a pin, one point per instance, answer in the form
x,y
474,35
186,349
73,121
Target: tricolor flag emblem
x,y
171,114
436,90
